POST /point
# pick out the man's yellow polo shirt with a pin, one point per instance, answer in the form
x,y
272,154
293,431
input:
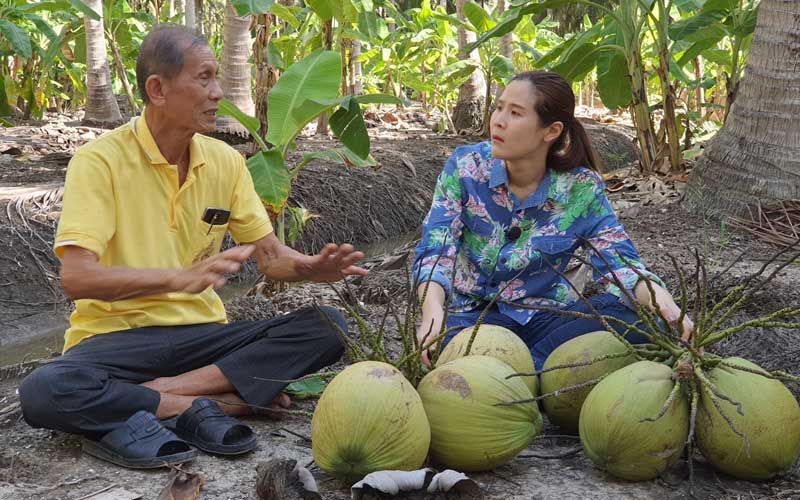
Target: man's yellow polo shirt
x,y
122,201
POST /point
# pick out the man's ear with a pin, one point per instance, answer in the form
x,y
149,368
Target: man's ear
x,y
553,131
155,88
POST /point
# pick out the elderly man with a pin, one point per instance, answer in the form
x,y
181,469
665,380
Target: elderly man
x,y
150,364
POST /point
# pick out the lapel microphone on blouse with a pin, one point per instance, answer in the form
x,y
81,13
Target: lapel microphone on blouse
x,y
513,233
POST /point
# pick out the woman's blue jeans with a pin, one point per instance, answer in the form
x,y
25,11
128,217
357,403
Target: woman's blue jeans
x,y
548,330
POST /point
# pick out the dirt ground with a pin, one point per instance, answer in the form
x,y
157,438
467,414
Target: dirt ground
x,y
381,208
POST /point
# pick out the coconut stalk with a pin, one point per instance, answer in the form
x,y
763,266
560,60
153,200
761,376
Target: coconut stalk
x,y
690,362
369,344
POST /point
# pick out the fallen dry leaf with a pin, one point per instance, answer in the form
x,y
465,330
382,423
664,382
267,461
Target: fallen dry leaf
x,y
182,485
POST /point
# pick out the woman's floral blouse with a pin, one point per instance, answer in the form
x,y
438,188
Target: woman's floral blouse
x,y
465,249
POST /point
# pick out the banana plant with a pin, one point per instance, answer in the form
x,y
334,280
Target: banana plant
x,y
614,47
534,40
124,30
639,33
307,89
419,55
720,32
27,32
496,68
355,20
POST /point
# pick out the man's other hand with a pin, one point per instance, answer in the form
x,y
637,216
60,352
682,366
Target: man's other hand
x,y
331,264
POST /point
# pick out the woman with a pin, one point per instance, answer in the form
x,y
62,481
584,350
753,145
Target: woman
x,y
506,212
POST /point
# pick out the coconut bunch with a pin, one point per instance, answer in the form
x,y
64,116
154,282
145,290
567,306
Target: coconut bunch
x,y
386,411
638,407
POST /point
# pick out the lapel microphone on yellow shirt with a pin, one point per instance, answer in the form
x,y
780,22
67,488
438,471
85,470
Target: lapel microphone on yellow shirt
x,y
513,233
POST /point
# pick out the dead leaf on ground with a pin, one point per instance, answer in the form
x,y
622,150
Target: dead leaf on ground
x,y
409,165
182,485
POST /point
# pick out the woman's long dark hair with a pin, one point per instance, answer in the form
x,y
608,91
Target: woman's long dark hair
x,y
555,102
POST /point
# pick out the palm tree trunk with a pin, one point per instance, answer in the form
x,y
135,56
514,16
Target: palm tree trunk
x,y
123,76
667,89
755,158
236,72
639,109
697,65
101,106
327,41
179,9
343,46
266,73
190,15
505,51
355,72
468,111
506,40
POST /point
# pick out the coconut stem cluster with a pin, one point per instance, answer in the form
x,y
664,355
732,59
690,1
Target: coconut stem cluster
x,y
693,367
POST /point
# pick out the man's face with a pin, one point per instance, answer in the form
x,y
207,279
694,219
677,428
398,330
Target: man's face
x,y
192,97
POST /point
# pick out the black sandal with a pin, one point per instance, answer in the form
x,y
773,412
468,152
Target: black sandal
x,y
205,426
142,442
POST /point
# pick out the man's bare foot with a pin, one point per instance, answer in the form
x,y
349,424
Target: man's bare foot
x,y
282,400
275,410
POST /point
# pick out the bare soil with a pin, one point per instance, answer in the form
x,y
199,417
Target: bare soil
x,y
365,207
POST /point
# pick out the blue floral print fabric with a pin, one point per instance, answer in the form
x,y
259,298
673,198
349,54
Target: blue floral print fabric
x,y
468,245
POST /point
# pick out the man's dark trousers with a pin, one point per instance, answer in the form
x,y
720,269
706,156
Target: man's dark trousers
x,y
94,387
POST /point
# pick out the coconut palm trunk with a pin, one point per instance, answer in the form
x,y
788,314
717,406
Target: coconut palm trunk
x,y
506,47
178,9
190,15
119,65
468,111
236,71
355,68
266,73
755,158
101,106
327,41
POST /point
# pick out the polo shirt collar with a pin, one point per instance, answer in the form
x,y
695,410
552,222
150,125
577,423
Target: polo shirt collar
x,y
499,176
145,138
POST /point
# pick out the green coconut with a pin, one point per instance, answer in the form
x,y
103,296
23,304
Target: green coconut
x,y
469,432
770,424
612,430
497,342
369,418
563,410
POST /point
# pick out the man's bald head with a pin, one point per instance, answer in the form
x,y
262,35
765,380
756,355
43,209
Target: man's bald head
x,y
162,53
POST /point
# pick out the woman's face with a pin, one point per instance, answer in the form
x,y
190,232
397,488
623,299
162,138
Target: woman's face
x,y
515,129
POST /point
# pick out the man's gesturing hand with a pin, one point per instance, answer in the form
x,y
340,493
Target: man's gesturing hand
x,y
211,271
331,264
